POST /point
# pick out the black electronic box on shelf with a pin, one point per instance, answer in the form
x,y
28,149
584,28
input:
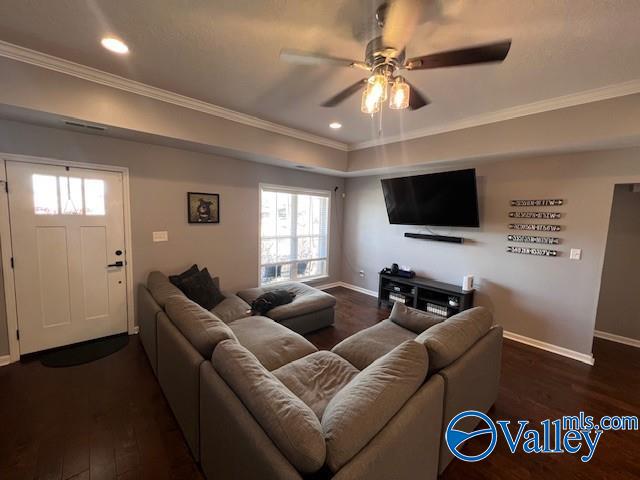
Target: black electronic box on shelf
x,y
431,296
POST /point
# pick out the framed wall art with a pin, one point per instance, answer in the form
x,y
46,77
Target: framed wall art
x,y
203,207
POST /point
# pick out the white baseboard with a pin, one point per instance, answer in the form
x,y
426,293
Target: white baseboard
x,y
5,360
327,286
632,342
565,352
350,287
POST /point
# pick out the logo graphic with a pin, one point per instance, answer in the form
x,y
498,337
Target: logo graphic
x,y
456,438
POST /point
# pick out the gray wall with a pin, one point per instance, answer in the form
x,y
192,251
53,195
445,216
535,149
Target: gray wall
x,y
160,178
549,299
618,310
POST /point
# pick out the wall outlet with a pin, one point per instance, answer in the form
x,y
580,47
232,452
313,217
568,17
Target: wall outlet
x,y
161,236
575,254
361,273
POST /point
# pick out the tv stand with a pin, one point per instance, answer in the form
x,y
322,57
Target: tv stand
x,y
424,294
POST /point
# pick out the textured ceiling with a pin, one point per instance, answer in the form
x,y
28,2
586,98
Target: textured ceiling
x,y
226,52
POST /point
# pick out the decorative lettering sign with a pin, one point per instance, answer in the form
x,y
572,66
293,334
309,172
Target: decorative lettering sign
x,y
535,227
537,203
532,239
538,215
541,252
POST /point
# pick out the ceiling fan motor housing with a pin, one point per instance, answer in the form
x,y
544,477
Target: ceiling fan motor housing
x,y
378,54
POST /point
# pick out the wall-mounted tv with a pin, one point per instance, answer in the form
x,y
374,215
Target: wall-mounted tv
x,y
438,199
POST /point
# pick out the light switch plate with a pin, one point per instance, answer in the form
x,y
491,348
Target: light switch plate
x,y
576,254
161,236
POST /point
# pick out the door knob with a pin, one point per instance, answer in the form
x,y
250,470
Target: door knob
x,y
116,264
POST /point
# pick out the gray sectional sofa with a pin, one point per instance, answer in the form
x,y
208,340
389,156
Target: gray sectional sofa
x,y
256,400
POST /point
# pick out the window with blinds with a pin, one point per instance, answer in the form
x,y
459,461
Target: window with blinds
x,y
294,234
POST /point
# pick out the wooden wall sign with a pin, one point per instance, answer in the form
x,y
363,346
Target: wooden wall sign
x,y
535,227
537,215
537,203
540,252
533,239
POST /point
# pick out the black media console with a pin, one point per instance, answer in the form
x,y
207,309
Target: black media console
x,y
424,294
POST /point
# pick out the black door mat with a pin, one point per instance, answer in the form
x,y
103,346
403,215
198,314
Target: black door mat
x,y
84,352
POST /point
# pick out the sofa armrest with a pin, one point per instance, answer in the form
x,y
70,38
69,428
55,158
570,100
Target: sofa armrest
x,y
408,445
472,382
179,377
233,445
148,311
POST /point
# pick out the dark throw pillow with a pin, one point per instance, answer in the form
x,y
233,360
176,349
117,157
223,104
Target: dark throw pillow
x,y
269,300
201,288
178,279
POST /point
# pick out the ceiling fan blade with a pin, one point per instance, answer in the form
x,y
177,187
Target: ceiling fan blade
x,y
344,94
311,58
494,52
401,20
416,99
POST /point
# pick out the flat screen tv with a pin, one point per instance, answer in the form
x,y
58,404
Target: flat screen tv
x,y
438,199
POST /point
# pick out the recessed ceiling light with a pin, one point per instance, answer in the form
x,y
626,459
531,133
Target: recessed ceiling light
x,y
114,45
335,125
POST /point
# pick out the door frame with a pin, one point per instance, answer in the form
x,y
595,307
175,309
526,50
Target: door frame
x,y
7,248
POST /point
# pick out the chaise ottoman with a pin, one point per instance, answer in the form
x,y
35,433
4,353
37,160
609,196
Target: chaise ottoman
x,y
310,310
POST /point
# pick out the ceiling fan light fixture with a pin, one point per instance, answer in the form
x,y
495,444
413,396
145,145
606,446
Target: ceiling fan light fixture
x,y
400,91
377,87
370,104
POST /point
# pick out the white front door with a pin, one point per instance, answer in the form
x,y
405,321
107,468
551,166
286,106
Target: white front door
x,y
67,234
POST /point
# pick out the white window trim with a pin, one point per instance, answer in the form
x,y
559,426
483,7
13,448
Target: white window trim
x,y
298,190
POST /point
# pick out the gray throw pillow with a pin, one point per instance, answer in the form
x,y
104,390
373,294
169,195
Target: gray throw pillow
x,y
364,406
290,424
412,319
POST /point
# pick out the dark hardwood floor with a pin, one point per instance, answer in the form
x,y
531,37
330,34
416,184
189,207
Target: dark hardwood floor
x,y
108,419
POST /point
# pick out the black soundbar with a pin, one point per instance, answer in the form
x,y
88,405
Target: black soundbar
x,y
437,238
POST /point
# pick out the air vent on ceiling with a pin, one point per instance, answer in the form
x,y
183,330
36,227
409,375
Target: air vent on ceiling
x,y
97,128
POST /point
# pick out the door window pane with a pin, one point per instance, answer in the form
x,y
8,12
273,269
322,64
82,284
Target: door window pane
x,y
94,196
45,195
70,195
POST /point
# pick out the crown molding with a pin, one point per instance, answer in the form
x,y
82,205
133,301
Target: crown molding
x,y
549,104
43,60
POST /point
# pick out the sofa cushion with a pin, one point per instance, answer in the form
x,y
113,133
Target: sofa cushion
x,y
290,424
316,378
413,319
362,408
448,340
362,348
273,344
161,288
202,328
231,308
307,300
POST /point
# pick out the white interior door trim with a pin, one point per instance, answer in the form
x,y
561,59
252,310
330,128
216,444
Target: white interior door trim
x,y
7,251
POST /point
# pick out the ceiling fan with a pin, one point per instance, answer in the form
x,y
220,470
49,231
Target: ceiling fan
x,y
385,58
